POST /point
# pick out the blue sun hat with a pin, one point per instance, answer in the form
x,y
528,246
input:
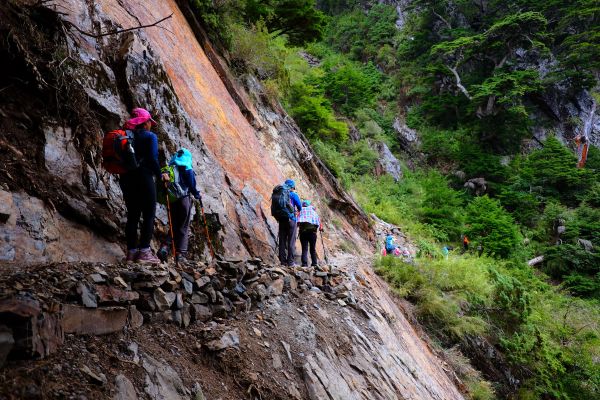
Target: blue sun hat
x,y
183,158
290,183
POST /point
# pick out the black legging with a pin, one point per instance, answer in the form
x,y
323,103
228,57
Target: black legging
x,y
139,193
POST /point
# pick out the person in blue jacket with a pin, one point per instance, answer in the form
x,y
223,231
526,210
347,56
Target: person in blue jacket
x,y
139,190
181,210
288,229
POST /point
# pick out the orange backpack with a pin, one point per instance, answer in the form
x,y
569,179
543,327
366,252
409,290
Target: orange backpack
x,y
118,154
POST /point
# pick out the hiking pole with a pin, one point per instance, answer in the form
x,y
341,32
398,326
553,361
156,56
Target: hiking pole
x,y
210,247
324,250
171,224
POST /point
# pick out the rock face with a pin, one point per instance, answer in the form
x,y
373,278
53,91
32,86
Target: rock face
x,y
240,151
388,163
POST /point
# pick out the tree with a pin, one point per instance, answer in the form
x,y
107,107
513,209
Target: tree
x,y
298,19
491,226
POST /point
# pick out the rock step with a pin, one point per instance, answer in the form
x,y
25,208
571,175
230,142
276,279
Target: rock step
x,y
108,299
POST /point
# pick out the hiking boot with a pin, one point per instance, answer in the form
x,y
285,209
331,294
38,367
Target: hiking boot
x,y
131,255
180,258
146,257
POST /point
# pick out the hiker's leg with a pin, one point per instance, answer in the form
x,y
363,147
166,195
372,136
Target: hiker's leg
x,y
313,248
283,240
293,231
304,245
183,225
134,211
148,199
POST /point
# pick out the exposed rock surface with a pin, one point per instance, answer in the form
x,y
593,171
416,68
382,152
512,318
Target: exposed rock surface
x,y
336,334
388,163
241,151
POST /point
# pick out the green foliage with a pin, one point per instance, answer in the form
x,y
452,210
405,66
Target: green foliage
x,y
350,86
299,20
512,300
553,169
442,207
313,113
443,290
489,225
364,36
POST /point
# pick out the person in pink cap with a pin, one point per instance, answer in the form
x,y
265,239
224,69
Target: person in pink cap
x,y
139,189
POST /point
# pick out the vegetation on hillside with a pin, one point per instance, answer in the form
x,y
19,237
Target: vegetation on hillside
x,y
469,78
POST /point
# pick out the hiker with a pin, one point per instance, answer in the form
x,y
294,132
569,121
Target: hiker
x,y
390,247
183,188
465,243
139,190
284,204
445,251
308,224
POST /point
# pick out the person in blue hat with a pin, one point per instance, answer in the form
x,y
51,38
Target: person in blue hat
x,y
181,210
286,217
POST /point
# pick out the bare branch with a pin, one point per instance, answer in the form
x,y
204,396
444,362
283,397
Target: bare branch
x,y
120,30
459,85
445,21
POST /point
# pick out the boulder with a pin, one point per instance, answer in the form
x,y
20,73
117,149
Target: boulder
x,y
124,389
162,381
201,313
97,321
228,340
110,295
276,287
164,300
88,297
36,334
135,318
387,163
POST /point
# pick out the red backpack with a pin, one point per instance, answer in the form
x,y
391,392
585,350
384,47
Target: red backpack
x,y
118,154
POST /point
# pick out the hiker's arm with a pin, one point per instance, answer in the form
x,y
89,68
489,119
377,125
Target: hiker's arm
x,y
153,162
296,201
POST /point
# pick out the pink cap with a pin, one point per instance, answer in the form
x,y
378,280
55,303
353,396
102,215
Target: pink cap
x,y
140,116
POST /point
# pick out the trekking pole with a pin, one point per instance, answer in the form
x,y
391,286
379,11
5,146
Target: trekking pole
x,y
324,250
210,247
171,224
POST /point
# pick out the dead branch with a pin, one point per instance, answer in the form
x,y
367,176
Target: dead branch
x,y
120,30
445,21
459,85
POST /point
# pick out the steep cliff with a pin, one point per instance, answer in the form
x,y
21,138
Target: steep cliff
x,y
65,87
66,83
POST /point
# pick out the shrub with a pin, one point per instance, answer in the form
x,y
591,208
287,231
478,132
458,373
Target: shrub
x,y
491,226
313,113
445,291
554,170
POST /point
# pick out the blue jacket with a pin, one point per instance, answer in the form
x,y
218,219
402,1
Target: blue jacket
x,y
187,180
296,204
145,144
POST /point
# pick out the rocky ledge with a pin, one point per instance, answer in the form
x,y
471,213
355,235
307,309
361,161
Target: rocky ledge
x,y
41,304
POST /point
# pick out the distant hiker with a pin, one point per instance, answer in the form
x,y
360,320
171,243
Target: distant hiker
x,y
308,224
465,243
390,247
389,243
139,190
445,251
284,203
479,250
182,185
